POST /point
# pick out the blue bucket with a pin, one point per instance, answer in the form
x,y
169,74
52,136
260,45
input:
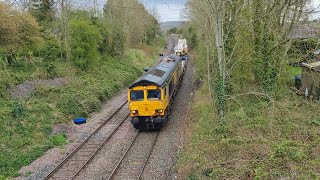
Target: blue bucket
x,y
80,121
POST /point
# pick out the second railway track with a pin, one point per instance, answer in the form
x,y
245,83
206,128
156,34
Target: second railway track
x,y
76,161
129,163
133,162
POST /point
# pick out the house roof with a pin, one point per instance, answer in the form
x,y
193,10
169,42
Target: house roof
x,y
316,52
313,66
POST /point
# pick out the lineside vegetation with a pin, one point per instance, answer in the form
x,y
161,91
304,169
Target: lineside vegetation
x,y
254,127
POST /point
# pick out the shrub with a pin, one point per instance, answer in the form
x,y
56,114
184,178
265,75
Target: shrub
x,y
6,81
58,140
303,48
85,40
51,70
71,105
51,50
18,109
287,151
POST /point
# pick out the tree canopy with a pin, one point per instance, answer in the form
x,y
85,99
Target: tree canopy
x,y
18,30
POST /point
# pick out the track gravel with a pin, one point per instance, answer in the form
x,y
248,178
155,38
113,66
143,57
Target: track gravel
x,y
104,162
172,137
137,156
161,164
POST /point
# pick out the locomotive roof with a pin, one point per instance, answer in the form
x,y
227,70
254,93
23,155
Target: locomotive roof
x,y
159,74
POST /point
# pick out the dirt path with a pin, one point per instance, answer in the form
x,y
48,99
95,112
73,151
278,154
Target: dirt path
x,y
25,89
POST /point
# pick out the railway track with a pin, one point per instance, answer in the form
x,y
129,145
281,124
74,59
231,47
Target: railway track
x,y
172,42
132,164
122,170
77,160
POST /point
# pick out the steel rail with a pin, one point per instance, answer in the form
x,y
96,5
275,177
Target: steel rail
x,y
123,156
126,153
50,175
149,155
97,150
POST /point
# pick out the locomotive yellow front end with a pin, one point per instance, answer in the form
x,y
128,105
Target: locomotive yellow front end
x,y
150,97
147,107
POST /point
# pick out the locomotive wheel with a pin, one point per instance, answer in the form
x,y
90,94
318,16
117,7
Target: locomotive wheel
x,y
158,126
137,126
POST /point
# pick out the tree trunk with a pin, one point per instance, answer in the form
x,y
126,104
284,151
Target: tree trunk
x,y
65,27
218,31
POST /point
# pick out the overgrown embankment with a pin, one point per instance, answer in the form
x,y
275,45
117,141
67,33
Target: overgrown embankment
x,y
247,122
26,123
261,138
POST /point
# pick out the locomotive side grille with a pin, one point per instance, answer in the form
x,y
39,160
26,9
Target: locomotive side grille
x,y
157,72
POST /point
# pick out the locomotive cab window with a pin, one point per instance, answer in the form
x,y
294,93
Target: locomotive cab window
x,y
136,96
154,94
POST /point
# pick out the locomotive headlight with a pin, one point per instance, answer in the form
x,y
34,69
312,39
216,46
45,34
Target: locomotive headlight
x,y
159,110
134,111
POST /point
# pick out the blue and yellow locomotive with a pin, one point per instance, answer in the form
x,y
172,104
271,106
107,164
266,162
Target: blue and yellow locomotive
x,y
150,97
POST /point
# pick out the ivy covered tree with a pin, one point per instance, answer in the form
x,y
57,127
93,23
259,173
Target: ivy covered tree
x,y
244,42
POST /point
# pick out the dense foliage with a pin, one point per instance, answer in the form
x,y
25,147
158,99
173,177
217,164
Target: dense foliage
x,y
302,49
19,32
244,43
85,40
254,127
129,23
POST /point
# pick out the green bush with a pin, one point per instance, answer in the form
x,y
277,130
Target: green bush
x,y
85,41
172,31
51,50
51,70
18,110
6,81
287,151
58,140
70,104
